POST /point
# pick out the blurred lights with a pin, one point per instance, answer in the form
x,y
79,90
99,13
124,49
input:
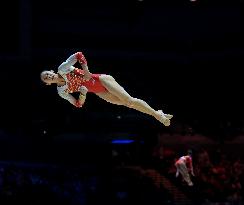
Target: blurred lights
x,y
122,141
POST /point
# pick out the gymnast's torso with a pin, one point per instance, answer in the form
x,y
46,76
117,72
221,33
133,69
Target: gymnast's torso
x,y
74,80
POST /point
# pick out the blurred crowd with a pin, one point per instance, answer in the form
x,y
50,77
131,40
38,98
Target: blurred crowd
x,y
218,176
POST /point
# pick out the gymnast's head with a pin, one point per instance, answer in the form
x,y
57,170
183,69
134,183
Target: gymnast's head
x,y
189,152
49,77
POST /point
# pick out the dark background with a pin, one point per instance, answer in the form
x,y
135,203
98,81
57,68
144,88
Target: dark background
x,y
185,57
180,56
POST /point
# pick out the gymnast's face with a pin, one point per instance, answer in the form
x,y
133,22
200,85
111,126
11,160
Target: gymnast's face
x,y
49,77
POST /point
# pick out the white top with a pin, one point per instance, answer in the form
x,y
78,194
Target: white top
x,y
65,68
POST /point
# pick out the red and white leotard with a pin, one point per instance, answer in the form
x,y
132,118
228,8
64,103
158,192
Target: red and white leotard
x,y
187,160
74,80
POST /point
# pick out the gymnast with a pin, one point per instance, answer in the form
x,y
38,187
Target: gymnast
x,y
70,79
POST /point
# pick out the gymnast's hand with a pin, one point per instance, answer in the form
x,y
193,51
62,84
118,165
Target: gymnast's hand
x,y
83,90
87,76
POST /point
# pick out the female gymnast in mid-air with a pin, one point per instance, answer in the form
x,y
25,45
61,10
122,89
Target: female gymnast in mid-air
x,y
70,79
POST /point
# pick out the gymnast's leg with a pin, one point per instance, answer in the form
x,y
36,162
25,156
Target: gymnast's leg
x,y
185,174
110,98
116,90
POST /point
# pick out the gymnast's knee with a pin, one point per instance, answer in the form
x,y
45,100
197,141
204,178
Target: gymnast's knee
x,y
130,102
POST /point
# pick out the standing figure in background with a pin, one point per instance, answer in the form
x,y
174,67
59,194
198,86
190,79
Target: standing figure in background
x,y
184,167
70,79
